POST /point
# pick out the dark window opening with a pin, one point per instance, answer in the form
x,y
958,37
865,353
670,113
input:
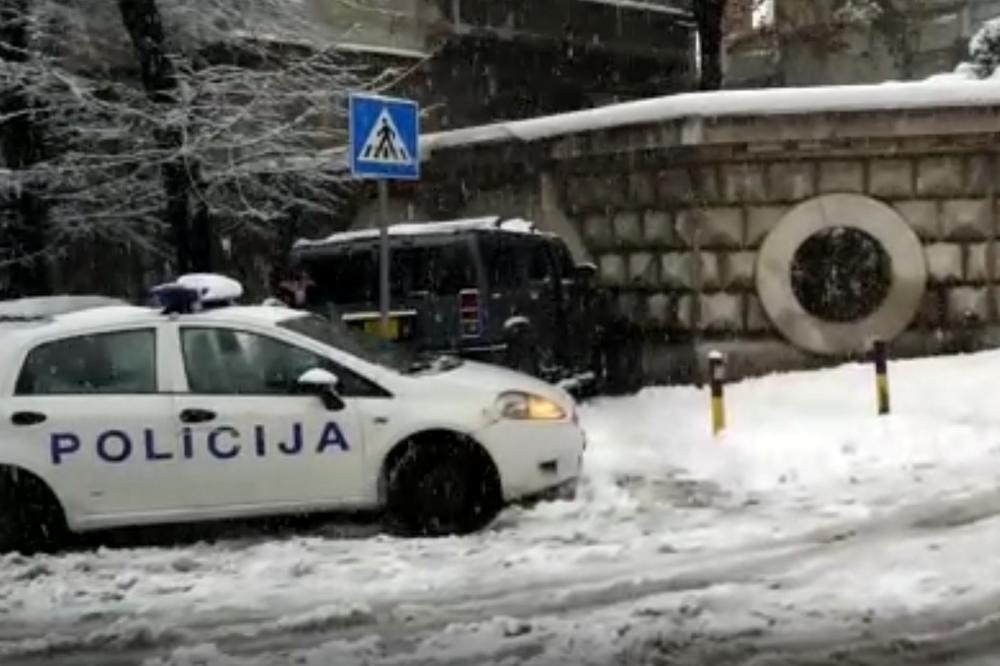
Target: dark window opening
x,y
841,274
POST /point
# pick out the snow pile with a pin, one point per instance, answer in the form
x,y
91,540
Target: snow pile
x,y
813,435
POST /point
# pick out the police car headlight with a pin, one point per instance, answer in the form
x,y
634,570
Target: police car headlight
x,y
527,407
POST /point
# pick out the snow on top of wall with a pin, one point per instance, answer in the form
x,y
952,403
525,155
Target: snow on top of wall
x,y
512,225
955,91
376,49
355,47
646,5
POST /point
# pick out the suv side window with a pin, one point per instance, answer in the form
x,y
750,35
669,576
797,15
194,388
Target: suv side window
x,y
442,268
501,262
103,363
539,262
454,268
348,277
221,361
565,260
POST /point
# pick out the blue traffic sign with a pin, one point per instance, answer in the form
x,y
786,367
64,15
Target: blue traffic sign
x,y
385,138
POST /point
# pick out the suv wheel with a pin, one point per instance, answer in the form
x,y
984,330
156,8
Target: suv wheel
x,y
438,490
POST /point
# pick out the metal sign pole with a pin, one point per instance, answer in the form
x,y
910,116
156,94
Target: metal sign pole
x,y
385,145
383,197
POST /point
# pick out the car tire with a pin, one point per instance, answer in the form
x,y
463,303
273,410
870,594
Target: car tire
x,y
31,518
440,490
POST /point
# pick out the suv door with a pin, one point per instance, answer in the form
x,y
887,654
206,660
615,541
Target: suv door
x,y
541,300
576,326
505,297
93,422
260,442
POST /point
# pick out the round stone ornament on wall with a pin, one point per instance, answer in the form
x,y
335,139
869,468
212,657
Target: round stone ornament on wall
x,y
839,271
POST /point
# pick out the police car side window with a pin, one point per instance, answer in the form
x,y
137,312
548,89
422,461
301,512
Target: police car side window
x,y
222,361
104,363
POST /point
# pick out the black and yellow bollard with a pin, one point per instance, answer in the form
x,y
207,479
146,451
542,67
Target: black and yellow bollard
x,y
881,353
717,380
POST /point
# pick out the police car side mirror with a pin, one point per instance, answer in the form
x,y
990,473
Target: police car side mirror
x,y
323,384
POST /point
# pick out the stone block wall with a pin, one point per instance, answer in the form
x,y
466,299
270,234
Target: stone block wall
x,y
681,244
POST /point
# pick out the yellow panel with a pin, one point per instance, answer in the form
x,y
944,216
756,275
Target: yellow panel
x,y
374,327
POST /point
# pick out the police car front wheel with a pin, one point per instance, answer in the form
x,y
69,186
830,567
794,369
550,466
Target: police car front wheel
x,y
441,488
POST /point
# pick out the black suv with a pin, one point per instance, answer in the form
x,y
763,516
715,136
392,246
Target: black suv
x,y
490,289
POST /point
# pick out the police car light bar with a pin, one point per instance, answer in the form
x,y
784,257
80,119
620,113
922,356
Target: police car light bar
x,y
197,291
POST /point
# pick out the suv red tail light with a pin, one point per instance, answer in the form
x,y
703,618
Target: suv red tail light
x,y
470,313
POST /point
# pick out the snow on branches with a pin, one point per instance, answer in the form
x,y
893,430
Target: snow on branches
x,y
985,48
859,11
257,105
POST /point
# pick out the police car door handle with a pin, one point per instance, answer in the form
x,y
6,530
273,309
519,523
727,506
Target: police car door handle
x,y
197,416
27,418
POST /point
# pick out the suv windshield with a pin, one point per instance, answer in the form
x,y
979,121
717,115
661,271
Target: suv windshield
x,y
333,333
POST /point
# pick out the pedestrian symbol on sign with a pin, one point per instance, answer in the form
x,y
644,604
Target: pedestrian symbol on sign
x,y
384,144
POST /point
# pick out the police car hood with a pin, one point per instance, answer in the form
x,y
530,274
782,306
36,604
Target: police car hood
x,y
494,380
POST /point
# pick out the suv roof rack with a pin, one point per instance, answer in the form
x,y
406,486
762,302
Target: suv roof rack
x,y
492,223
527,225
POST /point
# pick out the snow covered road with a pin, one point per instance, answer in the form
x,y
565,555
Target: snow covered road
x,y
812,532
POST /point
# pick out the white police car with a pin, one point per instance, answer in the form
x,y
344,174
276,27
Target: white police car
x,y
114,415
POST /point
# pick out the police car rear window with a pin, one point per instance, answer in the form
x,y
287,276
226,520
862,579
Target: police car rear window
x,y
105,363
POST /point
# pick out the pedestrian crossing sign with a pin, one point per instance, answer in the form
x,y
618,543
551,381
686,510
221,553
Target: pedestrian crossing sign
x,y
385,138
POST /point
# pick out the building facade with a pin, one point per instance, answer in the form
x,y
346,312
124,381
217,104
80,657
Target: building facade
x,y
474,61
823,42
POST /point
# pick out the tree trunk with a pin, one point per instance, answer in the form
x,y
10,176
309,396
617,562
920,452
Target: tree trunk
x,y
708,15
23,236
186,214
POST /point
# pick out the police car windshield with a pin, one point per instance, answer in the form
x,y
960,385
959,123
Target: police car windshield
x,y
333,333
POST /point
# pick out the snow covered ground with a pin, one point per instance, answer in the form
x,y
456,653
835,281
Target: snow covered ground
x,y
812,532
